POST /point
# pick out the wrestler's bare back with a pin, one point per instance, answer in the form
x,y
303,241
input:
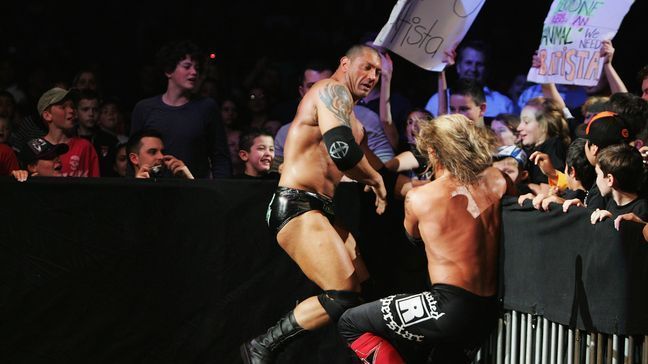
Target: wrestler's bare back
x,y
307,165
460,227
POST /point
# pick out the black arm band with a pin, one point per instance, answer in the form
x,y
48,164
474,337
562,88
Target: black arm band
x,y
342,147
415,241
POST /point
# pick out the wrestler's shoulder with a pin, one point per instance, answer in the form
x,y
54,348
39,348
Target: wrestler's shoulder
x,y
496,179
425,195
492,173
325,84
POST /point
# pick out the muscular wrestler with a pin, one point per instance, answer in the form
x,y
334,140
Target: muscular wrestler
x,y
457,219
322,145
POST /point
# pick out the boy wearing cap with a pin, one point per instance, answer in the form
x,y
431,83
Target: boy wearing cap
x,y
56,109
619,175
604,129
511,160
40,158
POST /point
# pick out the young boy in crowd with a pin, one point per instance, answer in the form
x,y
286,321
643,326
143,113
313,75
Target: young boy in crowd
x,y
256,150
40,158
580,173
87,112
111,119
57,111
603,130
511,160
620,174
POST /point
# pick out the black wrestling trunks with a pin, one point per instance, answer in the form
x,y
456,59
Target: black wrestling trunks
x,y
288,203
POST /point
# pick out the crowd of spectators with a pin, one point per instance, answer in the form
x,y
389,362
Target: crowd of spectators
x,y
195,126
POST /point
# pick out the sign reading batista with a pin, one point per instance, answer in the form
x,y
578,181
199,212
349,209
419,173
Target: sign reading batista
x,y
421,30
571,40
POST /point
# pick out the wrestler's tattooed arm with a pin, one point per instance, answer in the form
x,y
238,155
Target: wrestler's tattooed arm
x,y
338,100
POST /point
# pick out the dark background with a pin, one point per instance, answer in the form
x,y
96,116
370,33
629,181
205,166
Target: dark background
x,y
52,40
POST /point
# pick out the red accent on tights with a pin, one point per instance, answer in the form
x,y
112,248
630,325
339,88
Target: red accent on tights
x,y
374,349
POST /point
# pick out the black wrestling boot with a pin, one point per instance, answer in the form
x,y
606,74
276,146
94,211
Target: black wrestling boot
x,y
262,349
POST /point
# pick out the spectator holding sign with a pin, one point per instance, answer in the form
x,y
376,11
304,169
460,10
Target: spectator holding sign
x,y
472,64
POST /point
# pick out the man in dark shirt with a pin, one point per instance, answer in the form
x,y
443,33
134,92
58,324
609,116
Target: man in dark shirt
x,y
191,127
145,154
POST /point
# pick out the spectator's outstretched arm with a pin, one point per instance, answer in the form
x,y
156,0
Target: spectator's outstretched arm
x,y
443,94
385,100
402,162
550,91
607,52
632,217
555,177
573,202
546,202
599,215
449,59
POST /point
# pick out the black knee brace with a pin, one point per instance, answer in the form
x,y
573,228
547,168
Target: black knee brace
x,y
336,302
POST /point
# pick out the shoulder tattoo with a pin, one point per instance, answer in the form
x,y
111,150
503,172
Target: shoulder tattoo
x,y
338,101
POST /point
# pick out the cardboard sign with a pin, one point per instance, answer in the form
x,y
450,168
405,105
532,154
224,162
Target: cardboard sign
x,y
421,30
571,40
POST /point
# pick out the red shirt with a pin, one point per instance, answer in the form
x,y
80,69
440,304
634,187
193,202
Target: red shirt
x,y
81,160
8,160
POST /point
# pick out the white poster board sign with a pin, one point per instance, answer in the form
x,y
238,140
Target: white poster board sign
x,y
421,30
571,40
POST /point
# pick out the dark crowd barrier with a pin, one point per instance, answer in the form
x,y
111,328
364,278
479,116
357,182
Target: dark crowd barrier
x,y
562,267
175,271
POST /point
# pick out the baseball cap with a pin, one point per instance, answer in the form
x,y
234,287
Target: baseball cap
x,y
511,151
606,128
40,149
53,96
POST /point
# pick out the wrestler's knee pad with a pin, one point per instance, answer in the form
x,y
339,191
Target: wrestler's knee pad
x,y
336,302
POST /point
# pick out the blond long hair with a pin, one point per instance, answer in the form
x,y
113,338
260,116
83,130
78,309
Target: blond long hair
x,y
459,146
550,118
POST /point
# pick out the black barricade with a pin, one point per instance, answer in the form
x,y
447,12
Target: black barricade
x,y
139,271
561,266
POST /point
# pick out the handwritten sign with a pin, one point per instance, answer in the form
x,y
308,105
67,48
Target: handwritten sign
x,y
571,40
421,30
